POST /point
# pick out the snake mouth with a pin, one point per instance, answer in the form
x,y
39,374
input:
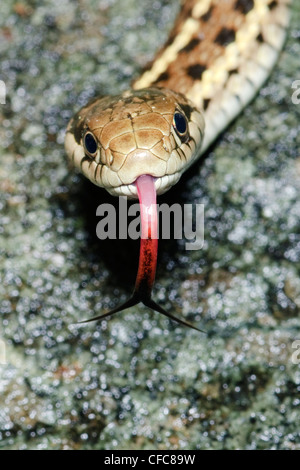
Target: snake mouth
x,y
162,184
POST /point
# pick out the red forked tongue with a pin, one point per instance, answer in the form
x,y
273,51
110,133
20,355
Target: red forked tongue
x,y
145,185
149,236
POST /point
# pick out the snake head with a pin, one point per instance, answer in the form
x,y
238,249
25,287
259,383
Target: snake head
x,y
116,139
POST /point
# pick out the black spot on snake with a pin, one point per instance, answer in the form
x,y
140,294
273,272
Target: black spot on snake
x,y
187,110
76,128
244,6
273,5
191,45
225,37
196,71
207,15
162,77
232,72
206,102
260,38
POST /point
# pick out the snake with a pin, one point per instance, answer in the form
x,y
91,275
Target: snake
x,y
138,143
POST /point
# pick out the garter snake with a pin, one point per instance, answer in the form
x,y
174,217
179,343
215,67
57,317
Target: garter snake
x,y
219,53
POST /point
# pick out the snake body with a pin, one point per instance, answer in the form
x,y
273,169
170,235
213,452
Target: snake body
x,y
218,55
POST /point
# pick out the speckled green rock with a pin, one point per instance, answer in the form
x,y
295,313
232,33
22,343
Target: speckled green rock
x,y
138,381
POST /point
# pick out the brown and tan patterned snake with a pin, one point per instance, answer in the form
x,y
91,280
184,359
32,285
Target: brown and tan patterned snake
x,y
139,143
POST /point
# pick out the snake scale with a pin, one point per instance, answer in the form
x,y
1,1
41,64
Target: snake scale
x,y
138,143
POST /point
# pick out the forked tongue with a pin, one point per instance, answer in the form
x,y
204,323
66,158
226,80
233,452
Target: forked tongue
x,y
145,185
149,237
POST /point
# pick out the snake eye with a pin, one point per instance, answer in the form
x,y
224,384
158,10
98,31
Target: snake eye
x,y
180,124
90,144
